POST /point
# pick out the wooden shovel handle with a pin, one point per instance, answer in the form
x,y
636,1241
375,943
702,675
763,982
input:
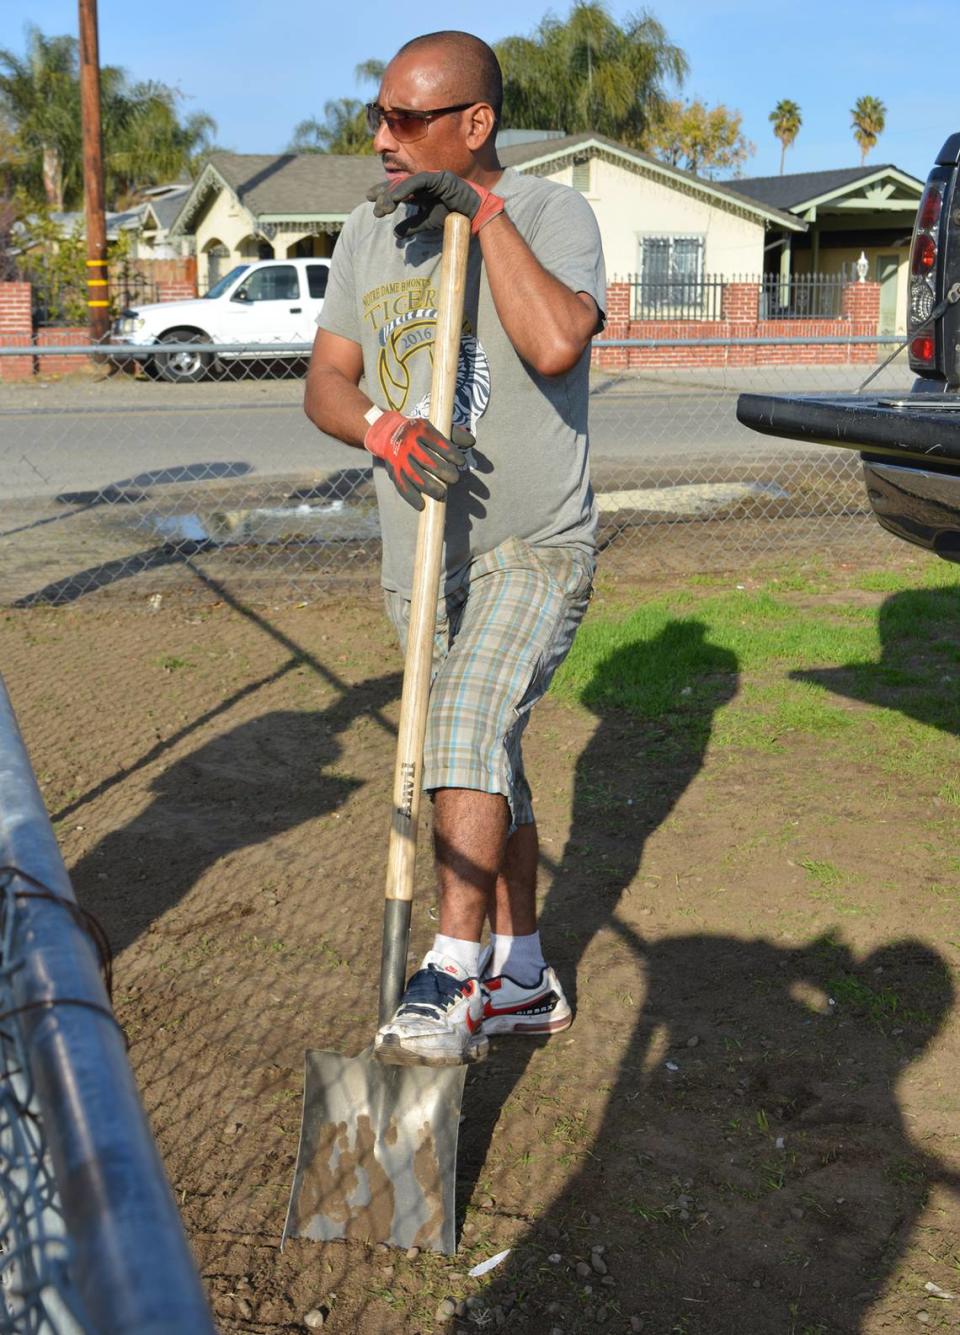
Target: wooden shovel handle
x,y
408,774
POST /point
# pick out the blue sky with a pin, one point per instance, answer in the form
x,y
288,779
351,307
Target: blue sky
x,y
259,69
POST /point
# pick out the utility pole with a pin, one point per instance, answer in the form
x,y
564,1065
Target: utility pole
x,y
98,302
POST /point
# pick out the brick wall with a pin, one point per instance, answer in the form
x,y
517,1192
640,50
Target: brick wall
x,y
52,336
16,329
740,309
176,291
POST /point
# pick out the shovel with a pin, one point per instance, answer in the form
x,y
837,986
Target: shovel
x,y
378,1144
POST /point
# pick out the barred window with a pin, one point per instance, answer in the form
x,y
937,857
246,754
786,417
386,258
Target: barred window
x,y
671,270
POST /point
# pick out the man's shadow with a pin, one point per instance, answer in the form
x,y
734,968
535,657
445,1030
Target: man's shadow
x,y
750,1168
918,672
763,1180
260,779
619,801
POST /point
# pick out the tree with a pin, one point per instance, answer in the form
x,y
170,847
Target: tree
x,y
588,72
701,139
342,130
144,139
40,99
344,125
786,120
869,121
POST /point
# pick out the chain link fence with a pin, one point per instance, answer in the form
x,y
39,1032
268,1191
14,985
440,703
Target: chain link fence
x,y
135,472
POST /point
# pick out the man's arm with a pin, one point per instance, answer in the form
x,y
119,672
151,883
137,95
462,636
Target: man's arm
x,y
547,323
332,399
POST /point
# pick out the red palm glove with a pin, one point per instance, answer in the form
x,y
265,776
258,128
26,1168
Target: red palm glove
x,y
419,460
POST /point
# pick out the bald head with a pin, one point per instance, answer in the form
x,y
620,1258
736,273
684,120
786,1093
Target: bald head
x,y
470,68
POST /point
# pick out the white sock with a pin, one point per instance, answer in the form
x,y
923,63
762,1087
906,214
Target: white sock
x,y
519,957
466,953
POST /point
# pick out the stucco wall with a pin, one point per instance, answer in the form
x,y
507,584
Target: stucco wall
x,y
224,221
629,205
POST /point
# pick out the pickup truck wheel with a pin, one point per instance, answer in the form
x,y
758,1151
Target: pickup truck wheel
x,y
183,367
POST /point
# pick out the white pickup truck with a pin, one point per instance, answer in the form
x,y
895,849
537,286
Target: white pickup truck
x,y
268,301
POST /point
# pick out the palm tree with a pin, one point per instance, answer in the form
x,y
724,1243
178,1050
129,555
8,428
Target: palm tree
x,y
342,130
869,120
786,120
590,73
344,125
144,139
40,97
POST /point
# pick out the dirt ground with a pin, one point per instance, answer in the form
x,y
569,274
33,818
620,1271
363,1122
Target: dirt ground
x,y
755,1113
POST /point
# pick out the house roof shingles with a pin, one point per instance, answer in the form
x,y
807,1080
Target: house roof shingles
x,y
789,192
298,184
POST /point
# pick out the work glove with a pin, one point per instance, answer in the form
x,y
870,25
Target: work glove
x,y
419,460
435,194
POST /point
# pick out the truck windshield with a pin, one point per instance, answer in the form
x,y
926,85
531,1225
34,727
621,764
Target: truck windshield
x,y
221,286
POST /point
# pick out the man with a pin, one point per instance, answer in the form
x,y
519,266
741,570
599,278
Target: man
x,y
520,521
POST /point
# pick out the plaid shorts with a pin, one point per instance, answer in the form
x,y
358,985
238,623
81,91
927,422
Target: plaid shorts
x,y
500,637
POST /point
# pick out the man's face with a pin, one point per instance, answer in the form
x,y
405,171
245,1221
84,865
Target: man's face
x,y
419,82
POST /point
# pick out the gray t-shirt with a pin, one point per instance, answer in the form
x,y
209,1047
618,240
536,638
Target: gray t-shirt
x,y
527,477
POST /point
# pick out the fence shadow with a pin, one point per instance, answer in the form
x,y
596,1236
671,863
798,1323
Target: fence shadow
x,y
271,775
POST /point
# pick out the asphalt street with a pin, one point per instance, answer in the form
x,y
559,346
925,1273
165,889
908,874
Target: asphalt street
x,y
83,435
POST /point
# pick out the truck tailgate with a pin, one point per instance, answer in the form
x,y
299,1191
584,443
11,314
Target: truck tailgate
x,y
918,429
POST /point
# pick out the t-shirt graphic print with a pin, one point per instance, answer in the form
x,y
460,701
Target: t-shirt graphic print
x,y
413,334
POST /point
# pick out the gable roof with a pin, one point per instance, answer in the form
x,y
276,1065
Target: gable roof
x,y
325,186
799,190
549,155
164,208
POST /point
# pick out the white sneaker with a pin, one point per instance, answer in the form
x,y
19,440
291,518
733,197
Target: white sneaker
x,y
510,1007
439,1021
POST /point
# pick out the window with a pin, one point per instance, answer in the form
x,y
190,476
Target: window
x,y
278,283
671,274
317,275
581,176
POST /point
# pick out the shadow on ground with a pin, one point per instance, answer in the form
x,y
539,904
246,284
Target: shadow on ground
x,y
270,775
748,1168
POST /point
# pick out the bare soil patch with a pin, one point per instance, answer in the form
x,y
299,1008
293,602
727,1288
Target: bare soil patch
x,y
755,1113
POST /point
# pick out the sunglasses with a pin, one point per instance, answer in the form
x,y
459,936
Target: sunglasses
x,y
406,126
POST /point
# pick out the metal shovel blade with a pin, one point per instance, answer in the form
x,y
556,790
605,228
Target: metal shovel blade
x,y
378,1153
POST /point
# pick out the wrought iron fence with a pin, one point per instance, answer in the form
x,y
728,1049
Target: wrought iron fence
x,y
676,298
816,296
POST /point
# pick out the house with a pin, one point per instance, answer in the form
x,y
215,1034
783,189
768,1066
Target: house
x,y
847,211
656,221
158,211
247,206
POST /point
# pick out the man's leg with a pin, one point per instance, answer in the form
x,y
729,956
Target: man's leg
x,y
470,837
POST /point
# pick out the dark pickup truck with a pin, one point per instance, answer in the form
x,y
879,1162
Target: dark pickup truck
x,y
909,444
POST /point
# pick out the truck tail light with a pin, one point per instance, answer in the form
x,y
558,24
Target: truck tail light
x,y
923,350
924,254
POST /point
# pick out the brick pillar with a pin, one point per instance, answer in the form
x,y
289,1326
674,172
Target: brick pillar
x,y
740,309
16,329
617,326
860,305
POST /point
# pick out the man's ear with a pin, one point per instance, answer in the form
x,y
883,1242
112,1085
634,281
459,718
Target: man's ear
x,y
481,126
